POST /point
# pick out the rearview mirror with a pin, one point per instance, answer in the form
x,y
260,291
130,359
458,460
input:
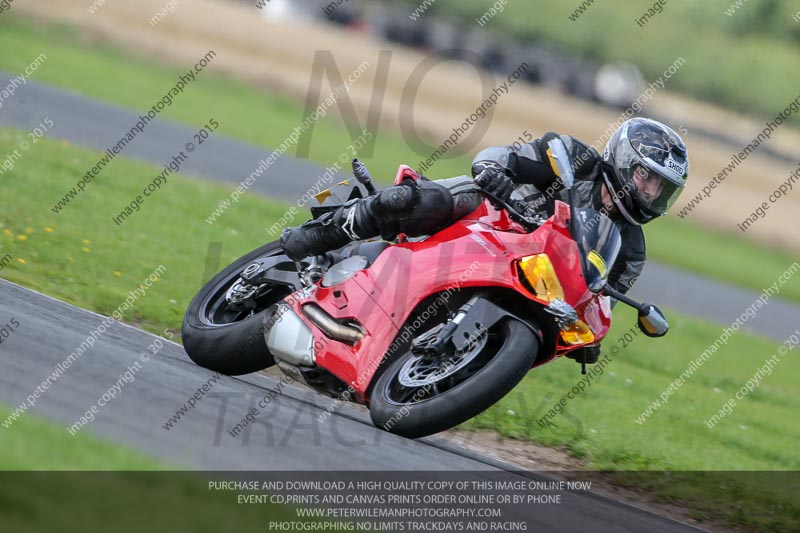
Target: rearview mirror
x,y
652,321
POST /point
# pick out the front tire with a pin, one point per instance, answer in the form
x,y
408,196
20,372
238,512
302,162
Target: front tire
x,y
397,408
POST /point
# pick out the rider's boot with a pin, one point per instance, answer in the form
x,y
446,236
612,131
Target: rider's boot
x,y
414,208
351,222
363,218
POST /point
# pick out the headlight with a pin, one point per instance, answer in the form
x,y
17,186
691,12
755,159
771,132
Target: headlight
x,y
539,272
578,333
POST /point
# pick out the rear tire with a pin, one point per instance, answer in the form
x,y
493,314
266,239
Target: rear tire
x,y
478,392
233,348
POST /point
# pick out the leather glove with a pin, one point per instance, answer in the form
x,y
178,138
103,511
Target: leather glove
x,y
495,182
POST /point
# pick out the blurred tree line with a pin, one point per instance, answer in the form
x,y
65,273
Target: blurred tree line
x,y
743,56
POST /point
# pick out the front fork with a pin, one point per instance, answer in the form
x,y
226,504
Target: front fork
x,y
473,319
434,341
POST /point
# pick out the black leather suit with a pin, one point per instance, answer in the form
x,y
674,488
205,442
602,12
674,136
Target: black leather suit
x,y
537,185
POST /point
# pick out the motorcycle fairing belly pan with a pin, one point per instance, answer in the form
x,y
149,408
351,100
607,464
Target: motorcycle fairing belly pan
x,y
345,302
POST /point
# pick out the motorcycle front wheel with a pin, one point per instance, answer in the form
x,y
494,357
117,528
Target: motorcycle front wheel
x,y
418,395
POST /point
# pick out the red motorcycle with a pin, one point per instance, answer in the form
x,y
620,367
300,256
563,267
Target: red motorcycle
x,y
426,332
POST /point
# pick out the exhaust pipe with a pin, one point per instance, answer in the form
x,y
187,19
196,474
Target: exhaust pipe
x,y
332,328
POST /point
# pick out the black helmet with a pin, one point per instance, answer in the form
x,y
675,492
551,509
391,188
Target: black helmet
x,y
645,166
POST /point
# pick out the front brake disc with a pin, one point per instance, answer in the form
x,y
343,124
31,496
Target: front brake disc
x,y
425,370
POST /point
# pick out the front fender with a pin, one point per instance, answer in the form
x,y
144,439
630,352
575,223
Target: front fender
x,y
482,315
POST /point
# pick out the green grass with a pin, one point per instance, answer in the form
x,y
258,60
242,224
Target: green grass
x,y
83,257
601,423
35,444
105,488
263,118
675,437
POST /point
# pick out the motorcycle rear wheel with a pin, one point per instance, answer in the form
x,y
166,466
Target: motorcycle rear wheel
x,y
508,352
220,338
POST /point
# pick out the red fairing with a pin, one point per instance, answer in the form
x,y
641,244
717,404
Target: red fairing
x,y
478,250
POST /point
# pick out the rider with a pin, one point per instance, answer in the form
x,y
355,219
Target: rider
x,y
641,173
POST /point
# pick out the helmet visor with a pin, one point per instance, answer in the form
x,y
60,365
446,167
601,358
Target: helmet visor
x,y
655,192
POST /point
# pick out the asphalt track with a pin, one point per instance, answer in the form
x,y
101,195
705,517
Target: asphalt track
x,y
289,435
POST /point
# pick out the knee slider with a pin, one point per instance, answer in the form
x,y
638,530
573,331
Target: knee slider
x,y
433,212
399,197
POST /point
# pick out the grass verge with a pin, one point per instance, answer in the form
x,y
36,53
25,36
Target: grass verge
x,y
600,424
84,483
36,444
81,256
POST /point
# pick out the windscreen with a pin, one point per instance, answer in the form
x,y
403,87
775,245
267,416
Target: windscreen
x,y
599,242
